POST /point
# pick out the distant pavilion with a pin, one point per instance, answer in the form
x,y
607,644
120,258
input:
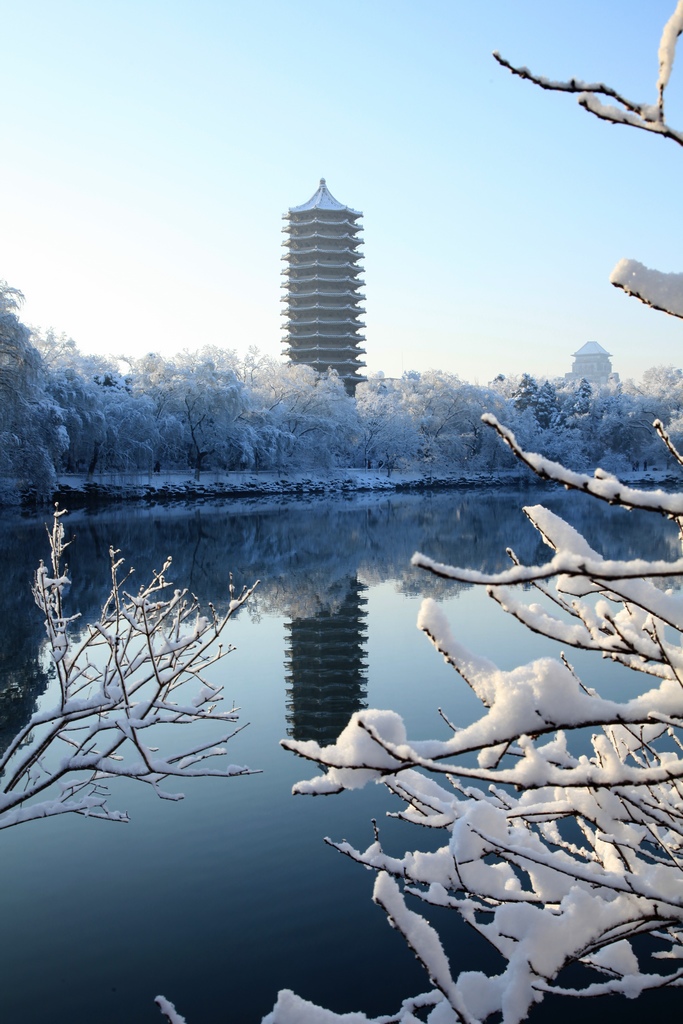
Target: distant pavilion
x,y
592,363
323,300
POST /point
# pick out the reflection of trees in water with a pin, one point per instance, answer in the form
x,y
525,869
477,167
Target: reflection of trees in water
x,y
304,554
325,668
474,529
23,673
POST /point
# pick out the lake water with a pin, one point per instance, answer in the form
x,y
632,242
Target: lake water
x,y
224,898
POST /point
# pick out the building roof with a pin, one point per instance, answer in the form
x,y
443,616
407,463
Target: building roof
x,y
591,348
322,200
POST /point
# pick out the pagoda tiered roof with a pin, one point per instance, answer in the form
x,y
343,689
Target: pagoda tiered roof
x,y
303,223
326,328
332,358
318,229
350,277
300,284
302,257
305,305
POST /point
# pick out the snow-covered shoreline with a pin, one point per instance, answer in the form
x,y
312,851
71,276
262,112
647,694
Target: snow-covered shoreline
x,y
171,487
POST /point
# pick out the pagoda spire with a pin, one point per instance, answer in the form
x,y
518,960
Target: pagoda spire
x,y
322,281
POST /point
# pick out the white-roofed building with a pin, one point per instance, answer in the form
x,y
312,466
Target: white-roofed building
x,y
322,281
592,362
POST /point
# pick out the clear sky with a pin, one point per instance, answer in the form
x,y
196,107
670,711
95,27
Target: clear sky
x,y
151,147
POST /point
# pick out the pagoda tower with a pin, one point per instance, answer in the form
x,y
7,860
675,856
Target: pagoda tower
x,y
323,281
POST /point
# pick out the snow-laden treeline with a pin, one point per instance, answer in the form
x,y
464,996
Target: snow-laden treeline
x,y
212,409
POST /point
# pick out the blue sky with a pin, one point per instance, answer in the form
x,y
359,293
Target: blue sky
x,y
151,147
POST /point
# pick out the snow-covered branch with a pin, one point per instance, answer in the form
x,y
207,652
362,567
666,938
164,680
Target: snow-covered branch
x,y
659,290
561,807
602,485
648,116
140,666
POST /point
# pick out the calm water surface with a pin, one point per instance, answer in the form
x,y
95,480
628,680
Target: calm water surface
x,y
224,898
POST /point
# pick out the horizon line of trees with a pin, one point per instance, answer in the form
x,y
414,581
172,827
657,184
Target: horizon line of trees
x,y
63,411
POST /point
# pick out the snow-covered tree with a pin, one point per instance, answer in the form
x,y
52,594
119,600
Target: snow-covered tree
x,y
208,399
92,399
581,399
546,408
31,435
662,389
388,436
525,394
306,419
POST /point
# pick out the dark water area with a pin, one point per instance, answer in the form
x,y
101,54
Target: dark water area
x,y
222,899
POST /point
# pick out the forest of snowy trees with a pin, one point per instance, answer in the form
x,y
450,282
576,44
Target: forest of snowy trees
x,y
212,409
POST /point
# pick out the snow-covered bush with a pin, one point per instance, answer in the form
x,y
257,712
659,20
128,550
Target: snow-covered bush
x,y
117,682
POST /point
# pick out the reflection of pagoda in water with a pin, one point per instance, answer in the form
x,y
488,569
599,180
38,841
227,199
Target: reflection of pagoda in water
x,y
325,667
